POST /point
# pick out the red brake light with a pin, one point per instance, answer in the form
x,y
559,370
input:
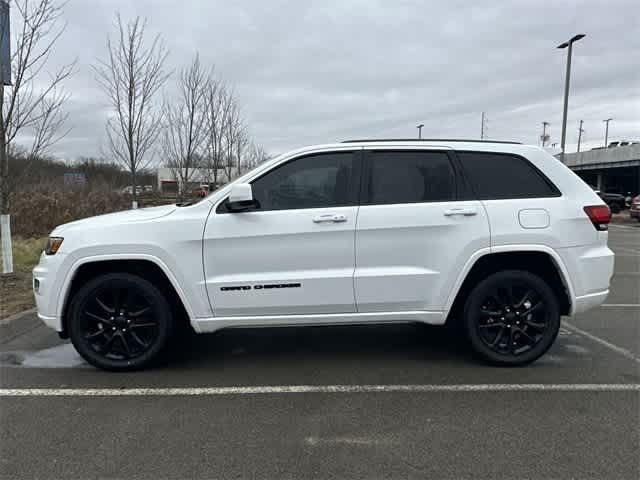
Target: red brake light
x,y
600,216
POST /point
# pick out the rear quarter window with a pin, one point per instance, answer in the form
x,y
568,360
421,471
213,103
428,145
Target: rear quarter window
x,y
496,176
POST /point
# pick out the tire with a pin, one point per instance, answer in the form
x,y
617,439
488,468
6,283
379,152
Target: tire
x,y
511,318
615,208
120,322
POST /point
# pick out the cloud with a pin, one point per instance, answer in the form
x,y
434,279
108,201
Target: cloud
x,y
312,73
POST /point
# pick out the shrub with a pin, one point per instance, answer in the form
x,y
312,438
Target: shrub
x,y
36,210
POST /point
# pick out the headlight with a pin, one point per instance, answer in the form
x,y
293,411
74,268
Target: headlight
x,y
53,245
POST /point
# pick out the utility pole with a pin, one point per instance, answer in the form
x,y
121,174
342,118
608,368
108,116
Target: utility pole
x,y
606,131
544,132
580,132
569,44
483,129
419,127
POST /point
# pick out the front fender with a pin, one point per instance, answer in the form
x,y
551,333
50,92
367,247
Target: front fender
x,y
71,273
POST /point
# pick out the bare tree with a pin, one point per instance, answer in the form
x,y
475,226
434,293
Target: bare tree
x,y
186,125
232,129
256,154
242,141
131,76
219,101
25,107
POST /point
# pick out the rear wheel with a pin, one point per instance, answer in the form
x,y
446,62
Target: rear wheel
x,y
511,318
120,321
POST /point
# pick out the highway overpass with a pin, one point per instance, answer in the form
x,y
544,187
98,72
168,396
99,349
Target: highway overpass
x,y
612,169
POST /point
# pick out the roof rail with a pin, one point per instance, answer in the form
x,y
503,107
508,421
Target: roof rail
x,y
427,140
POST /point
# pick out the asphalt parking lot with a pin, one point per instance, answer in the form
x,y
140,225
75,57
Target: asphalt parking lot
x,y
341,402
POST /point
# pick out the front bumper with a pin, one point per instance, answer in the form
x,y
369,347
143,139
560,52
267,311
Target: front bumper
x,y
47,279
634,213
53,322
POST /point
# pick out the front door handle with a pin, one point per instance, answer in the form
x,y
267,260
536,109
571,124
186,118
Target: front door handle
x,y
467,212
333,218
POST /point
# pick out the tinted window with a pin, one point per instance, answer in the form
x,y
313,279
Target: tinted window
x,y
410,177
322,180
497,175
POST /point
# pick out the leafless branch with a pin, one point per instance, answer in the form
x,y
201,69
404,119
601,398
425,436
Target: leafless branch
x,y
131,76
186,125
23,107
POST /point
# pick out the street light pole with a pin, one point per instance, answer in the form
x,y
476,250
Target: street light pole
x,y
419,127
569,44
606,131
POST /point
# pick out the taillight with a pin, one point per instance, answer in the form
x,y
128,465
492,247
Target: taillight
x,y
600,216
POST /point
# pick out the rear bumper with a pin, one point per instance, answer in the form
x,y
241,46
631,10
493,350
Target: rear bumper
x,y
587,302
590,270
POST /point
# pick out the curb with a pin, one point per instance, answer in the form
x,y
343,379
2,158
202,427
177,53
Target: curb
x,y
16,316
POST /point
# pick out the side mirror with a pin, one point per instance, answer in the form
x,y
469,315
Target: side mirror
x,y
241,198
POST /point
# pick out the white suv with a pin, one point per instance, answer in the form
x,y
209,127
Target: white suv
x,y
498,237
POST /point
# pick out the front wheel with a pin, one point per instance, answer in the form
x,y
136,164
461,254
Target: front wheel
x,y
120,321
511,318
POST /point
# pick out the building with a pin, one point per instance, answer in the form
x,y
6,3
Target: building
x,y
611,169
169,180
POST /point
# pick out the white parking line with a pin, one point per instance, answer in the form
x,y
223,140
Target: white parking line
x,y
630,252
621,305
622,351
288,389
623,227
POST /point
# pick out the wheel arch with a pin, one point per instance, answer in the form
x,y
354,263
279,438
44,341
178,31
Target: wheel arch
x,y
146,266
537,259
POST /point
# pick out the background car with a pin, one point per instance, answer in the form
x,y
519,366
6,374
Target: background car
x,y
615,201
634,208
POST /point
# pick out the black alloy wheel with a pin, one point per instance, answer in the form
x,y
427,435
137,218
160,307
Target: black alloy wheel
x,y
512,317
120,321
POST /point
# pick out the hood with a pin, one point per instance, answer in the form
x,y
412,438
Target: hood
x,y
127,216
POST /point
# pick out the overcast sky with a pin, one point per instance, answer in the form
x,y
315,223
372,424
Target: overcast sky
x,y
314,72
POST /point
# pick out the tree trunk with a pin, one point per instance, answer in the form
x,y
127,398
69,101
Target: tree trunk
x,y
134,203
5,218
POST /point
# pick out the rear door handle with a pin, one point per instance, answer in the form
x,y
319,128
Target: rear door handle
x,y
467,212
333,218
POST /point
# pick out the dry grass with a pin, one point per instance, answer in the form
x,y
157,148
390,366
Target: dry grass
x,y
15,288
36,212
15,292
26,252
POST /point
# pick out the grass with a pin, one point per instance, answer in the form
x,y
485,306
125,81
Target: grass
x,y
26,251
15,288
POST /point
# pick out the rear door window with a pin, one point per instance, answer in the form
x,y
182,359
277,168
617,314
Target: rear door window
x,y
409,177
